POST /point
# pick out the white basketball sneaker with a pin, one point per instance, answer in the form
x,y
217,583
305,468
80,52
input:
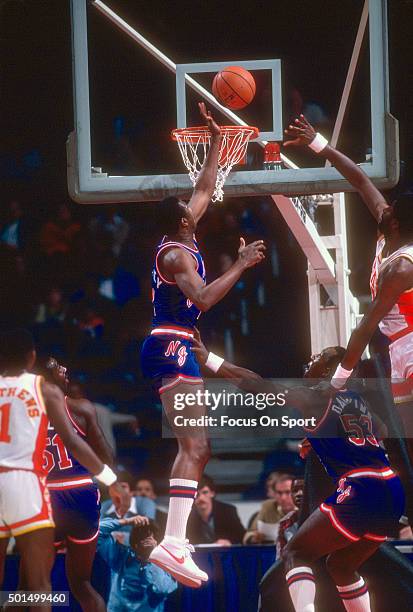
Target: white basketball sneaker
x,y
174,556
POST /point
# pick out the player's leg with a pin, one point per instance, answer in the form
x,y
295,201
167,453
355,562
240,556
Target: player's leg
x,y
36,561
342,566
4,542
193,454
317,537
79,563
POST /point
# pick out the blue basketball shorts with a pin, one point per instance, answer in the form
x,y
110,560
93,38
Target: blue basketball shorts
x,y
366,507
167,359
76,513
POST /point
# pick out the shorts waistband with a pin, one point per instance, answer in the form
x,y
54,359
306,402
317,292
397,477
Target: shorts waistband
x,y
171,330
382,473
69,483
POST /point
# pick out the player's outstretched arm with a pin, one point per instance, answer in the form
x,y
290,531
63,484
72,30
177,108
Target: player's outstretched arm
x,y
302,133
54,401
94,435
56,412
179,265
310,402
205,185
397,279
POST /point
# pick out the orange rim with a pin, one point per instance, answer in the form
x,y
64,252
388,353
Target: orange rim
x,y
193,134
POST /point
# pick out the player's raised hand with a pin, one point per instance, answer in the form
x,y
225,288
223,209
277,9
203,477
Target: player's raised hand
x,y
251,254
300,133
199,348
209,120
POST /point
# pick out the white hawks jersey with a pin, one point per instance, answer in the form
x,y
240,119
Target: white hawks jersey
x,y
399,320
23,423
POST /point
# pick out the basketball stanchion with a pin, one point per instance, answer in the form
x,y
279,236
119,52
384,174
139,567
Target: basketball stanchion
x,y
194,142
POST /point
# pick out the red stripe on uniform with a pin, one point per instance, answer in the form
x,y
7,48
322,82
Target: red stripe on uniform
x,y
353,594
40,447
375,538
336,523
302,576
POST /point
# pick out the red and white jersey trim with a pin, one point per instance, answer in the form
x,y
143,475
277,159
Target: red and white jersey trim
x,y
398,322
72,420
167,245
191,380
384,473
172,330
25,420
336,523
77,541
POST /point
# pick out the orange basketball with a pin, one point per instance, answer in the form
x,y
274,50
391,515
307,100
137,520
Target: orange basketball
x,y
234,87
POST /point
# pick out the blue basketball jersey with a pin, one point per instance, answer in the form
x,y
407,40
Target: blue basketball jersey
x,y
170,304
61,466
345,437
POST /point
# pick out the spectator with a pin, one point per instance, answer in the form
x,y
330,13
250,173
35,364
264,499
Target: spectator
x,y
116,283
265,526
270,494
144,487
270,483
138,505
289,523
110,224
12,231
212,521
57,236
52,310
137,584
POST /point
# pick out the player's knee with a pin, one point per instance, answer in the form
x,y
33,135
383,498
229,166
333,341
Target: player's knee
x,y
80,587
38,581
288,555
337,570
198,451
293,556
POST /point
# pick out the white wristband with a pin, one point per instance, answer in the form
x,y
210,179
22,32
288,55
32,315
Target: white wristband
x,y
340,377
214,362
107,476
318,143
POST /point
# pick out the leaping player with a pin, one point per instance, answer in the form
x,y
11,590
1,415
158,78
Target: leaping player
x,y
369,499
391,286
27,402
74,496
179,296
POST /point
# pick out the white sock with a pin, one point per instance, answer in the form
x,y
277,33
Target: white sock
x,y
301,585
355,597
182,494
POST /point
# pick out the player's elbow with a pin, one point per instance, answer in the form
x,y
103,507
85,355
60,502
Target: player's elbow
x,y
202,303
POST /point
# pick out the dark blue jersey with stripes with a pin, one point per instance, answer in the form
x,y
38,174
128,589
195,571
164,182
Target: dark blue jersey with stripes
x,y
344,439
60,464
170,304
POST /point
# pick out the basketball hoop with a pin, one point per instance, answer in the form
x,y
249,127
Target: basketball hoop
x,y
194,142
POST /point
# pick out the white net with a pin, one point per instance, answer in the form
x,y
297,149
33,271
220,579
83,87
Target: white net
x,y
194,146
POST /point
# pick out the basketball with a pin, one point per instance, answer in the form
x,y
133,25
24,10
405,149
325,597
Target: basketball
x,y
234,87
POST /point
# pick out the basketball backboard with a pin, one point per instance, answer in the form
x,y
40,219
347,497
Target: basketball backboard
x,y
120,149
